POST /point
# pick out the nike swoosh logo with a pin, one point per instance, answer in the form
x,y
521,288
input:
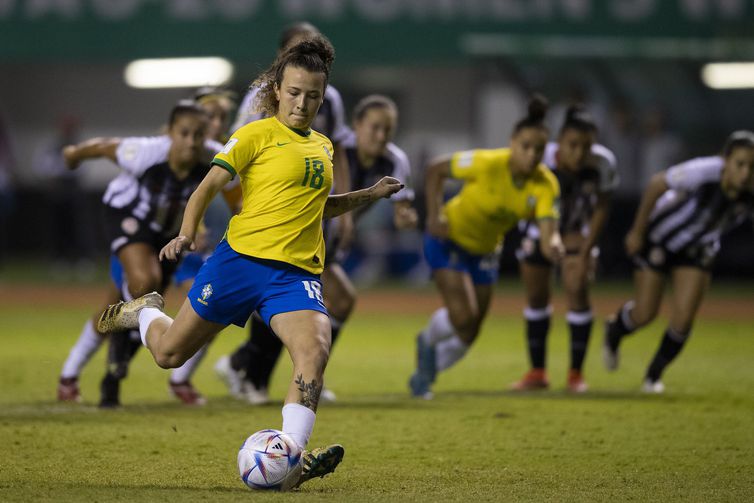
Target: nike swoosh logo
x,y
282,144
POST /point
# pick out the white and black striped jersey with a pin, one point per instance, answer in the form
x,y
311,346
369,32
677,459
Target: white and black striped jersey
x,y
579,190
330,119
694,212
394,162
147,189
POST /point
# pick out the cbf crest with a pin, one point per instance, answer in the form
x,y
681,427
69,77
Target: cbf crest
x,y
206,293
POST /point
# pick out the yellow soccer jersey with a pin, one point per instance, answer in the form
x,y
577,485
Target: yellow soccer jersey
x,y
286,177
490,203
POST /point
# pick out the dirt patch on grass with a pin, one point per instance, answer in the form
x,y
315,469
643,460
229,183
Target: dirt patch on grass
x,y
392,301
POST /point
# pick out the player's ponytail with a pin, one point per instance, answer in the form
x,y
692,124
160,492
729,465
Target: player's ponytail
x,y
579,119
314,54
740,138
536,112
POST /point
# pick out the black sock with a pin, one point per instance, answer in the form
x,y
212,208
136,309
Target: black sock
x,y
265,351
616,327
536,338
580,325
671,345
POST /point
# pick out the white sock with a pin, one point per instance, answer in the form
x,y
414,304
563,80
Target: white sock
x,y
87,344
439,327
298,422
185,371
449,352
146,317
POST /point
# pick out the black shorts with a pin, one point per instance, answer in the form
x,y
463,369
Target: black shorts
x,y
658,258
122,228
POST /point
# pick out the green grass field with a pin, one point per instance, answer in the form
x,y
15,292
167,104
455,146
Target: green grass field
x,y
475,441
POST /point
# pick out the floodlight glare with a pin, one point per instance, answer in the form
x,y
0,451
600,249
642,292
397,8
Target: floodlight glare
x,y
728,75
178,72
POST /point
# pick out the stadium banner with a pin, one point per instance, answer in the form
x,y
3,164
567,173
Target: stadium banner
x,y
378,31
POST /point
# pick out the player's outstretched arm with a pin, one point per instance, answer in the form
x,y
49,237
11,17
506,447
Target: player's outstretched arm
x,y
337,204
437,171
215,180
90,149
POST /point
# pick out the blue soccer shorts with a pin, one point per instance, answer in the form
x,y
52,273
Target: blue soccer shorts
x,y
445,254
230,286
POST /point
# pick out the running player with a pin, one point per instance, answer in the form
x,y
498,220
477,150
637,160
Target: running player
x,y
676,233
587,175
247,370
371,155
142,206
273,254
464,237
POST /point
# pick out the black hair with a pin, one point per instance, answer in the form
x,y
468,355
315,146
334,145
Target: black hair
x,y
536,111
740,138
315,54
579,119
294,30
185,107
373,101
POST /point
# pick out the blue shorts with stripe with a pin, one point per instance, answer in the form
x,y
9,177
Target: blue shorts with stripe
x,y
445,254
230,286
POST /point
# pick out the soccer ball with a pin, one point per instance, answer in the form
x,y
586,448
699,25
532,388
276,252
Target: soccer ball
x,y
270,459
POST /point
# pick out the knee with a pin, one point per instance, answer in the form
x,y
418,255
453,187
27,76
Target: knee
x,y
169,360
314,350
142,284
465,321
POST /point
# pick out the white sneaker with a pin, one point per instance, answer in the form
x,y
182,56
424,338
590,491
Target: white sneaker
x,y
231,377
653,387
327,395
254,395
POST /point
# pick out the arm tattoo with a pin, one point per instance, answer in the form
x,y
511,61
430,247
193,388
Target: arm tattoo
x,y
309,392
343,203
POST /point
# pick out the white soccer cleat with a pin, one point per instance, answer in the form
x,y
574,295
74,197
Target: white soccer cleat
x,y
327,396
254,395
231,377
125,315
653,387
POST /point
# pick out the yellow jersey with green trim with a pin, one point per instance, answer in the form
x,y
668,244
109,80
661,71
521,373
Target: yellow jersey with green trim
x,y
491,202
285,176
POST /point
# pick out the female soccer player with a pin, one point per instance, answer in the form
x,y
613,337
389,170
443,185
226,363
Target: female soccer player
x,y
274,251
247,370
676,233
370,155
217,104
587,175
464,237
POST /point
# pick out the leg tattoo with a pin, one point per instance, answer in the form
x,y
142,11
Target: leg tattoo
x,y
309,392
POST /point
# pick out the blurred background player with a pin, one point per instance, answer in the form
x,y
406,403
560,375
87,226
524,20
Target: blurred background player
x,y
137,219
676,233
464,236
247,370
371,155
587,176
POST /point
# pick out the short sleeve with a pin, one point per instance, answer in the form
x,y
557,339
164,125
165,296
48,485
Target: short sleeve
x,y
136,155
340,130
467,164
402,172
242,148
606,165
689,175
